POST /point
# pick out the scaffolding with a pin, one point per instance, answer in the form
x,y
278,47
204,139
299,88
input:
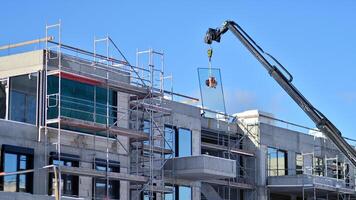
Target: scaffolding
x,y
141,85
237,143
324,172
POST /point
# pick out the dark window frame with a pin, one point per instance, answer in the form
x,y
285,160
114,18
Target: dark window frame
x,y
277,169
174,141
115,167
18,151
299,168
318,166
3,98
26,98
65,158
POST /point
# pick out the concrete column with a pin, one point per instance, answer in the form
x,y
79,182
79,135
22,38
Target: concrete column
x,y
261,169
196,191
40,177
125,168
291,163
123,105
85,182
196,142
123,108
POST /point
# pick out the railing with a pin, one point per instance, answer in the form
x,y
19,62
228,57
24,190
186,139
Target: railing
x,y
317,177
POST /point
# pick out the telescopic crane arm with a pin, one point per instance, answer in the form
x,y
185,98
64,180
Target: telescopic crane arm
x,y
284,79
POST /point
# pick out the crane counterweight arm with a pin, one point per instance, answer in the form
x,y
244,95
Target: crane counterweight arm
x,y
281,75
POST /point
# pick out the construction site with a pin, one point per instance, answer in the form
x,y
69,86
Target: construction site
x,y
88,124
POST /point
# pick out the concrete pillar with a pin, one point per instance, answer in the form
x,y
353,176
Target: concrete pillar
x,y
196,142
125,168
196,191
123,121
291,163
261,173
40,177
85,182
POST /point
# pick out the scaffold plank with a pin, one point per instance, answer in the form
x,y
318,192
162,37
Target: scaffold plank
x,y
222,147
81,171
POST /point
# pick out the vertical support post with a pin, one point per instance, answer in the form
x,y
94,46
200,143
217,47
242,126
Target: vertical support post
x,y
59,108
58,99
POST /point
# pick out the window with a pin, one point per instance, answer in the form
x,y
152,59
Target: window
x,y
169,135
347,174
184,193
169,195
101,187
277,162
23,92
3,85
299,163
81,101
146,129
340,171
17,159
184,147
146,196
318,166
69,183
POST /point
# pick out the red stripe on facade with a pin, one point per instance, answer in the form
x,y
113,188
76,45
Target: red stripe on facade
x,y
79,78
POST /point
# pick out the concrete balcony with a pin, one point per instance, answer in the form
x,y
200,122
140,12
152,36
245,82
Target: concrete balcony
x,y
294,183
202,167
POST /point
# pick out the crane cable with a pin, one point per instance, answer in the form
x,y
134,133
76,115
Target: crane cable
x,y
210,54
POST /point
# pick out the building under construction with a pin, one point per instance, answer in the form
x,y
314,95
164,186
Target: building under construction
x,y
79,124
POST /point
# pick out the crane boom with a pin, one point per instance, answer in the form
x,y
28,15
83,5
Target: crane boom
x,y
284,79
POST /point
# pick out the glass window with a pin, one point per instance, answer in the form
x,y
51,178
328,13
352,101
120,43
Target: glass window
x,y
3,84
184,143
340,170
318,166
169,135
146,129
272,162
101,186
146,196
277,162
282,163
169,195
13,162
10,182
184,193
69,183
82,101
23,95
299,163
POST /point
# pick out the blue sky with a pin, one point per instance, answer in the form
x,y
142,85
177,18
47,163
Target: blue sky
x,y
315,40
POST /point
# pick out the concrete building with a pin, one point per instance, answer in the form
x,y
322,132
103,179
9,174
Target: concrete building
x,y
82,125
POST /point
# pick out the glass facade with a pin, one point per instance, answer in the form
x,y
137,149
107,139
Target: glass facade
x,y
82,101
23,98
16,159
69,183
277,162
101,187
184,147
